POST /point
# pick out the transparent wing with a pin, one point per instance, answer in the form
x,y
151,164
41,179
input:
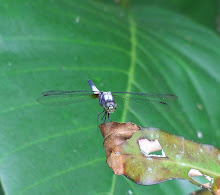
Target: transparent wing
x,y
146,95
60,98
144,103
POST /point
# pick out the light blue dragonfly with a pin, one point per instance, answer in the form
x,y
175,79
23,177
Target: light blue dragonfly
x,y
107,100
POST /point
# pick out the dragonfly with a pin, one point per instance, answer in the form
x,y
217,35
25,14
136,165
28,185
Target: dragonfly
x,y
107,100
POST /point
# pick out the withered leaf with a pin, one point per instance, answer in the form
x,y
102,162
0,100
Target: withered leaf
x,y
149,155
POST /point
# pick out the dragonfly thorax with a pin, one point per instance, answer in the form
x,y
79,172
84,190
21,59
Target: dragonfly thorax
x,y
106,101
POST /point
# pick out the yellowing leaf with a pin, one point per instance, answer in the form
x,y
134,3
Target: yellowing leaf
x,y
130,151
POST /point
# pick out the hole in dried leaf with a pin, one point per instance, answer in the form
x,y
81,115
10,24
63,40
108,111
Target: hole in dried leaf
x,y
205,180
159,152
151,148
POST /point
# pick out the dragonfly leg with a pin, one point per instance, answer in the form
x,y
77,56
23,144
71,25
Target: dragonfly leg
x,y
104,117
108,117
98,119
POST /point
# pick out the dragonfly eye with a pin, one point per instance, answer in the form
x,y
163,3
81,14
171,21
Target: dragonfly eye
x,y
110,106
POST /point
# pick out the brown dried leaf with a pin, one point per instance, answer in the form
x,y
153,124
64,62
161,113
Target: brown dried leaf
x,y
133,151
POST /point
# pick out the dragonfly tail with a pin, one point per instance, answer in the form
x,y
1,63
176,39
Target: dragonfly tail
x,y
93,87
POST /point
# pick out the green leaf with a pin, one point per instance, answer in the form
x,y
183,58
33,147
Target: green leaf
x,y
59,45
203,12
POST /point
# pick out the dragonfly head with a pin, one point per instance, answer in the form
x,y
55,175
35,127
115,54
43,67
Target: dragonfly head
x,y
110,106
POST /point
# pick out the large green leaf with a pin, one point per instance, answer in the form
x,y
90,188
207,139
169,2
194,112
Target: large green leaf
x,y
204,12
58,45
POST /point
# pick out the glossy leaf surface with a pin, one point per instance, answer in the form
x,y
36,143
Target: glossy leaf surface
x,y
59,45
